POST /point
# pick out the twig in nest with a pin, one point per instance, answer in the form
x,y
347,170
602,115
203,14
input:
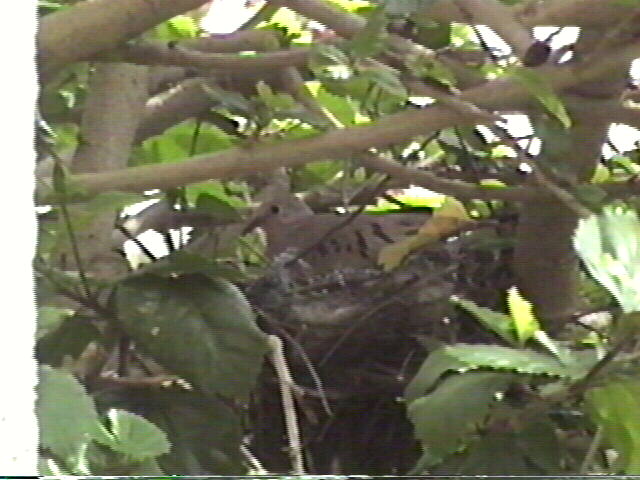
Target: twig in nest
x,y
288,405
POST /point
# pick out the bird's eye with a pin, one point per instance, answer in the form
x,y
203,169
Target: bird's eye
x,y
275,209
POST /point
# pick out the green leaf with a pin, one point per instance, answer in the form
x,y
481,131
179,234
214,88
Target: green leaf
x,y
437,363
499,323
50,318
609,246
433,35
344,109
70,339
446,418
177,143
66,414
324,54
616,408
371,40
200,328
538,86
316,174
205,434
274,101
518,360
218,207
183,262
497,453
521,311
133,436
386,79
177,28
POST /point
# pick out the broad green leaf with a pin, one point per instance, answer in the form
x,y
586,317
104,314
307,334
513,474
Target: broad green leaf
x,y
616,408
609,245
436,364
66,414
499,323
178,142
197,327
521,312
540,88
274,101
205,434
497,453
386,79
342,108
517,360
183,262
371,40
50,318
445,418
220,208
316,174
133,436
70,339
433,35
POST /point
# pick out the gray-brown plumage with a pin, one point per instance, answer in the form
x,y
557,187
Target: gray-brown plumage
x,y
328,242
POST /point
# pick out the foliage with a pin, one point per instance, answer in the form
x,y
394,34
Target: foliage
x,y
159,370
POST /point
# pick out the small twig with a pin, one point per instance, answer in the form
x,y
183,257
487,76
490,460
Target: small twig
x,y
594,446
137,242
305,359
256,466
266,11
583,384
288,405
58,164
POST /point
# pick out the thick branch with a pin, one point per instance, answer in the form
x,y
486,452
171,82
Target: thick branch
x,y
112,111
90,27
496,95
242,161
580,13
158,53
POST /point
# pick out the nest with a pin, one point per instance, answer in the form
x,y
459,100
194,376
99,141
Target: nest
x,y
354,339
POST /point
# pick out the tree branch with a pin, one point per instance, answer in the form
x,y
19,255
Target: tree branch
x,y
159,53
89,27
455,188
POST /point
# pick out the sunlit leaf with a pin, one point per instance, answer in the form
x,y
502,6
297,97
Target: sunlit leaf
x,y
66,414
498,322
609,245
135,437
521,312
